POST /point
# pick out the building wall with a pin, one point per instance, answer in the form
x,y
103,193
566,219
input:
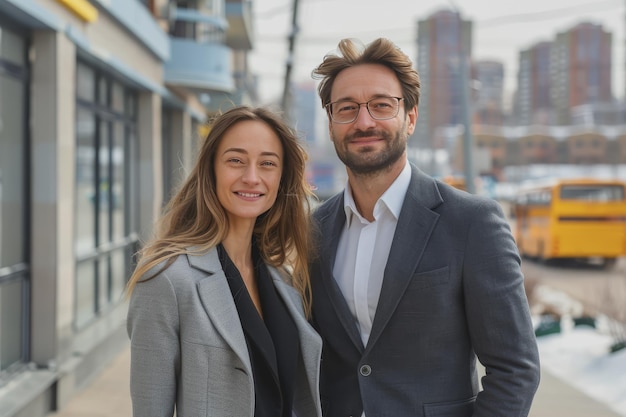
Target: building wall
x,y
521,146
85,99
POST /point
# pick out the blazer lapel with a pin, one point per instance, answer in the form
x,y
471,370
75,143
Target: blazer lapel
x,y
331,227
415,225
310,341
218,303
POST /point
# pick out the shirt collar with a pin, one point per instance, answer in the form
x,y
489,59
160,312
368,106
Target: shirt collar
x,y
392,198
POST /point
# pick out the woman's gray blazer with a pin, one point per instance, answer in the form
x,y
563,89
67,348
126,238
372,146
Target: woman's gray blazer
x,y
188,349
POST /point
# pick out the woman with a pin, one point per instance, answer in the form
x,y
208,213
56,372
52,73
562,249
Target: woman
x,y
217,325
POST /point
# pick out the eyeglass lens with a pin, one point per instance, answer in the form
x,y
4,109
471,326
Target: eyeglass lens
x,y
379,108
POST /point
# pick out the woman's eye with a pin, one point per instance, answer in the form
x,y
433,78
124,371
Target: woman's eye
x,y
269,163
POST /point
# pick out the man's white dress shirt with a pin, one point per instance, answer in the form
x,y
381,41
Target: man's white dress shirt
x,y
364,248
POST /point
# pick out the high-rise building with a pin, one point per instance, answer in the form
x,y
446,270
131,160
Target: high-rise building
x,y
488,92
444,42
581,69
325,172
305,109
533,103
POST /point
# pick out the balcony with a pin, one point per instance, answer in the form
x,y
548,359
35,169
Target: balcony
x,y
199,66
199,58
240,28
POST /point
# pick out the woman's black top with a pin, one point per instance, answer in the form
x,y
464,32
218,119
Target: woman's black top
x,y
272,341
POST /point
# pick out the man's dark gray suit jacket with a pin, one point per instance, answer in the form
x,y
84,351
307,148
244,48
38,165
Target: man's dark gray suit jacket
x,y
453,290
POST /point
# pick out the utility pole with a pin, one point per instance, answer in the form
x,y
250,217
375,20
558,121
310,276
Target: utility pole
x,y
468,139
286,104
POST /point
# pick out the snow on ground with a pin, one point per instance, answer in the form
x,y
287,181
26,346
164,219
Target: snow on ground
x,y
580,355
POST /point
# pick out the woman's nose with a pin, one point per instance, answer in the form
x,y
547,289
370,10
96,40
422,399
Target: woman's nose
x,y
251,175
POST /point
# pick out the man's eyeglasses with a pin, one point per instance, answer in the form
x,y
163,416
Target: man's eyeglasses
x,y
380,108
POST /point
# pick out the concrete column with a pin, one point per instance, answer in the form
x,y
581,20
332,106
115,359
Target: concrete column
x,y
150,162
183,147
53,171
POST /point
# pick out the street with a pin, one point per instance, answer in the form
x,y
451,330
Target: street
x,y
599,291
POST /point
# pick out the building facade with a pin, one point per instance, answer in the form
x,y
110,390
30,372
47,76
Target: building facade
x,y
444,44
519,146
101,105
533,101
488,76
581,69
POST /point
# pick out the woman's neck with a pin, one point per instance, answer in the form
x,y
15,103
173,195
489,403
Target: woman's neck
x,y
238,245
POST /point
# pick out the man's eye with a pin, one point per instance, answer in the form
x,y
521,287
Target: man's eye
x,y
380,105
346,107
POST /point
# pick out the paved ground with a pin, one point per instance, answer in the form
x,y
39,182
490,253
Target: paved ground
x,y
107,396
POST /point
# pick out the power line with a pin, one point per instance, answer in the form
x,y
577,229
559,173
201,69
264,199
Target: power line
x,y
517,18
548,14
273,12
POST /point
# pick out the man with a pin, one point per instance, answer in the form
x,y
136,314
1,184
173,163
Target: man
x,y
414,280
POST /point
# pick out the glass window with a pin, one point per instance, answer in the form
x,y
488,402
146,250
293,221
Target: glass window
x,y
11,320
103,282
130,106
85,183
606,192
103,91
120,268
11,47
118,181
14,267
105,204
85,293
12,172
131,215
117,98
85,83
106,188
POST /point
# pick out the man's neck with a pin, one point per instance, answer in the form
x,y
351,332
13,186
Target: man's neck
x,y
367,189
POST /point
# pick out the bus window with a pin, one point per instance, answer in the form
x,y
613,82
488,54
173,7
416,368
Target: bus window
x,y
592,193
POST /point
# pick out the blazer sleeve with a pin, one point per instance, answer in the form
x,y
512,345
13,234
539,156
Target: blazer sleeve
x,y
498,315
153,328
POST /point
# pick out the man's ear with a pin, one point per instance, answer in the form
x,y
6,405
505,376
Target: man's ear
x,y
412,116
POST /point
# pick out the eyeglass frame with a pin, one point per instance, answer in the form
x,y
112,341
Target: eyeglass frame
x,y
367,106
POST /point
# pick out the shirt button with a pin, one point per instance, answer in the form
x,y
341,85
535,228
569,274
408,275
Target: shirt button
x,y
365,370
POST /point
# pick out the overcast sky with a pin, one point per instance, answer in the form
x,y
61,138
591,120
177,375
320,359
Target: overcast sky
x,y
501,29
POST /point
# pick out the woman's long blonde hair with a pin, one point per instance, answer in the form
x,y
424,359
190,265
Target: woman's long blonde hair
x,y
194,218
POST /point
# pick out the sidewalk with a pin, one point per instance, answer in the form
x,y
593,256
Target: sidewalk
x,y
107,396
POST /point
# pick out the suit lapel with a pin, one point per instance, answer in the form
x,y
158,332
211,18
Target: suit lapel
x,y
332,226
415,225
218,303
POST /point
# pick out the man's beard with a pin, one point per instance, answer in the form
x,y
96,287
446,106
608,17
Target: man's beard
x,y
366,161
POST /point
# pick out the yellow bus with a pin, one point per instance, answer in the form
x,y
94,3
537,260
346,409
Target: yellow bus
x,y
456,182
575,218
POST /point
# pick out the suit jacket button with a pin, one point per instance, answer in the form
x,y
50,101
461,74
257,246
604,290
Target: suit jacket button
x,y
365,370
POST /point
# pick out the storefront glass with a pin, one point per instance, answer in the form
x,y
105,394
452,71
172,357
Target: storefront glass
x,y
14,262
105,223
